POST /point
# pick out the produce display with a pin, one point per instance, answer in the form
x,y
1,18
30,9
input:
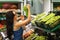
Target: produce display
x,y
13,7
30,37
27,33
49,21
6,5
53,21
2,22
40,38
47,17
36,37
38,17
1,26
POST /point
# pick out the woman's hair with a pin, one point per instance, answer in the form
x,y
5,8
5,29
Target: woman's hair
x,y
9,23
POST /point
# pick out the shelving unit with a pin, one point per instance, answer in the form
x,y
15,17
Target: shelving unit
x,y
51,32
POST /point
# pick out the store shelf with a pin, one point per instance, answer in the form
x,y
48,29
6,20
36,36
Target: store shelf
x,y
42,29
2,18
48,30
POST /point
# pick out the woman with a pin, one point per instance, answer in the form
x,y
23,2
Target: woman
x,y
14,27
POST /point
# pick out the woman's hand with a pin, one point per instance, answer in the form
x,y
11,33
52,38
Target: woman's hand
x,y
28,6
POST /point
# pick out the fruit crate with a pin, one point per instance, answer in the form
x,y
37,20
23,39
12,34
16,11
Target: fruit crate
x,y
41,25
47,28
44,25
36,37
55,28
51,26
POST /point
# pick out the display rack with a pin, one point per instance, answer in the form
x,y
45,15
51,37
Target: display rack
x,y
48,30
49,33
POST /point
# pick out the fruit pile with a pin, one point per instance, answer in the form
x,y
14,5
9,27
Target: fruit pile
x,y
27,34
49,21
36,37
47,17
38,17
2,26
30,37
40,38
53,21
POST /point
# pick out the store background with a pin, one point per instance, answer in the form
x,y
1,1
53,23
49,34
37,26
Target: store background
x,y
38,7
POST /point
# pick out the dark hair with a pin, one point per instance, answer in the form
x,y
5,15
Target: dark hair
x,y
9,23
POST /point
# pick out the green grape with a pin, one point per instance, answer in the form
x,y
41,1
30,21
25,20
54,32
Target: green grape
x,y
26,10
48,17
40,38
40,15
30,37
52,20
55,21
54,24
37,17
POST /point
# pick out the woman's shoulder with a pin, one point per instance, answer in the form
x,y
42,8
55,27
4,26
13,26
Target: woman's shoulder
x,y
16,27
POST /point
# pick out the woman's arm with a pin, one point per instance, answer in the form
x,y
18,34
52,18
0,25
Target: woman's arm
x,y
22,19
18,24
